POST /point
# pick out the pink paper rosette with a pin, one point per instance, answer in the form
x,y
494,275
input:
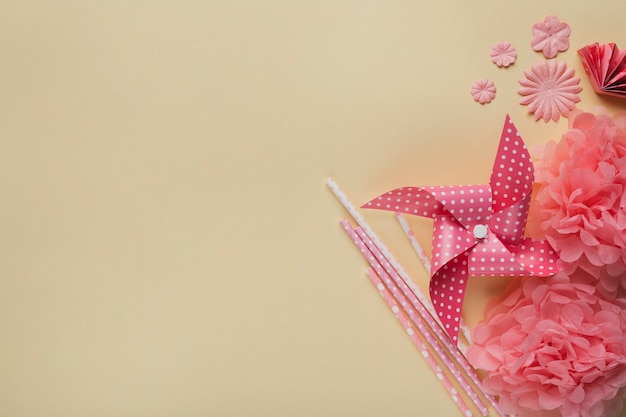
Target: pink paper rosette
x,y
605,64
579,200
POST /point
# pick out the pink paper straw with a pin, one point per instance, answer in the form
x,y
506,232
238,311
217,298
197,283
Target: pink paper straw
x,y
363,244
417,341
417,247
391,261
404,293
421,254
343,199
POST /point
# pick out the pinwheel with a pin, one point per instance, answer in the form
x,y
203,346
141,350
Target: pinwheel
x,y
478,229
606,67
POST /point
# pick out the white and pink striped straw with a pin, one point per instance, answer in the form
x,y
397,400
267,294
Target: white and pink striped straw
x,y
417,341
417,247
343,199
363,243
411,290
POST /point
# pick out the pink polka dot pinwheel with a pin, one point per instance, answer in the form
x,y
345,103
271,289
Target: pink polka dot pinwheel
x,y
478,229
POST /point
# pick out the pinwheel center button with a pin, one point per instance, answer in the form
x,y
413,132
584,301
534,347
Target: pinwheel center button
x,y
480,231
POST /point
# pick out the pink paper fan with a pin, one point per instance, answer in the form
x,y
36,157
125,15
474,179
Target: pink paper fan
x,y
605,64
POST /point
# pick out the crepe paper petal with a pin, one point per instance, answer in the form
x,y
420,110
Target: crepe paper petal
x,y
478,229
483,91
554,344
503,54
579,196
550,36
550,90
605,64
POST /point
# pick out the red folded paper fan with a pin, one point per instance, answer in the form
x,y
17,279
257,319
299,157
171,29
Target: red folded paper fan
x,y
605,64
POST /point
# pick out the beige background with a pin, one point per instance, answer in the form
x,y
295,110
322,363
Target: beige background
x,y
167,245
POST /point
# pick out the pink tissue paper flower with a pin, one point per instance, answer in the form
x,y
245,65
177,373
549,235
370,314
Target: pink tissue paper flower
x,y
503,54
483,91
553,347
550,36
550,90
579,200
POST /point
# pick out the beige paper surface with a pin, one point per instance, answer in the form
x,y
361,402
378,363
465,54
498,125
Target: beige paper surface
x,y
168,246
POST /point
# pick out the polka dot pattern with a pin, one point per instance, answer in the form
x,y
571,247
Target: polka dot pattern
x,y
509,224
469,204
537,257
513,175
493,258
447,290
409,200
450,239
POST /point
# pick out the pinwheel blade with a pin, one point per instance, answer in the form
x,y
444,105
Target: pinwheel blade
x,y
411,200
447,290
512,176
478,229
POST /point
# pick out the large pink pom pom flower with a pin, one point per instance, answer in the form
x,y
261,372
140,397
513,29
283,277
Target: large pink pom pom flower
x,y
579,201
553,347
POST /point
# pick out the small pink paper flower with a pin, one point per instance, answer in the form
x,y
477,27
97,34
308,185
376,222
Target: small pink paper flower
x,y
553,347
579,200
550,90
503,54
550,36
483,91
